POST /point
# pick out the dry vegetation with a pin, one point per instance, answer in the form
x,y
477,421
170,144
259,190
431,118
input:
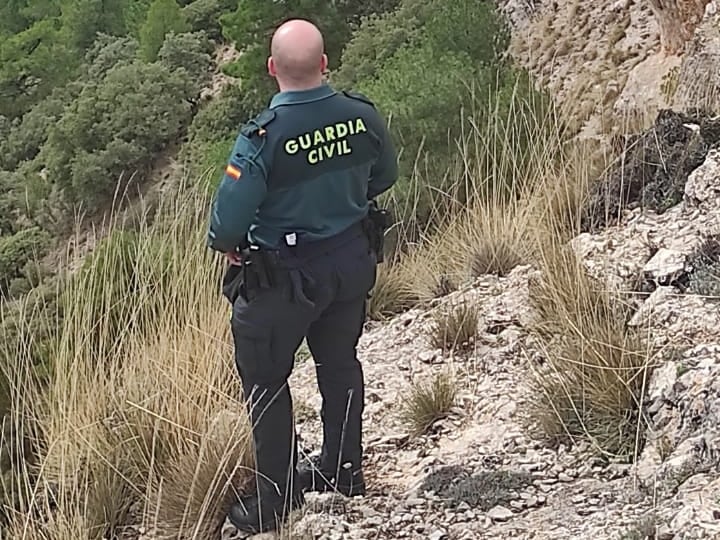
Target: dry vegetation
x,y
454,327
595,369
143,423
147,431
428,401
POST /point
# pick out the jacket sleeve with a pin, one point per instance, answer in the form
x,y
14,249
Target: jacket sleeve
x,y
240,193
384,172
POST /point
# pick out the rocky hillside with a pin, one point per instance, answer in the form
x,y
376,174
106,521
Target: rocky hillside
x,y
478,473
615,64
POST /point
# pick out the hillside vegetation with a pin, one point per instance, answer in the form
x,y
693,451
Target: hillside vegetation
x,y
122,411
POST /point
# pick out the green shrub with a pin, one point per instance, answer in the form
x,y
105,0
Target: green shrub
x,y
32,64
204,15
354,12
83,20
8,204
163,17
427,71
18,287
704,279
213,131
250,27
115,128
373,44
27,135
28,330
17,250
107,52
448,27
191,52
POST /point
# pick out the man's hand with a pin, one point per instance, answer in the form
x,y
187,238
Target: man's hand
x,y
234,258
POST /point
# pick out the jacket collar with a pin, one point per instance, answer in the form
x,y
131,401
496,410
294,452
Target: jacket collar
x,y
294,97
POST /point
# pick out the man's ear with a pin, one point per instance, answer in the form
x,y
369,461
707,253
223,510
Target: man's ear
x,y
324,63
272,70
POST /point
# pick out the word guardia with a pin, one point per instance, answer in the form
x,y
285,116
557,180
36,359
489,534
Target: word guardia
x,y
326,142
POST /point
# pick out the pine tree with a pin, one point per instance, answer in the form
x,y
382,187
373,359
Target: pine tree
x,y
163,17
84,19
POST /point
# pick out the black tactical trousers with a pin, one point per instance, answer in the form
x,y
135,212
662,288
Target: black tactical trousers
x,y
269,324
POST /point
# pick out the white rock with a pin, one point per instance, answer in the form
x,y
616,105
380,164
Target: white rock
x,y
666,266
703,186
500,513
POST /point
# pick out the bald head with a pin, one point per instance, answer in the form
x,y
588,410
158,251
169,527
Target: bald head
x,y
297,58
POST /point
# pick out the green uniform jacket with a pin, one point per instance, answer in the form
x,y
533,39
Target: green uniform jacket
x,y
307,165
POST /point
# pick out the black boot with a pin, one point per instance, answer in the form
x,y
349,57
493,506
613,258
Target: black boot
x,y
266,513
313,478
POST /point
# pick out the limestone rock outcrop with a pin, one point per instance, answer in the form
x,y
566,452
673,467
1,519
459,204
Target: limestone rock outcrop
x,y
677,20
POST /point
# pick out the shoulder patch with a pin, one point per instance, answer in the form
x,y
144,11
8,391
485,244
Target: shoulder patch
x,y
257,125
359,96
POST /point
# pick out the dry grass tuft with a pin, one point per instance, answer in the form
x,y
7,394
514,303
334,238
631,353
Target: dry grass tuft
x,y
392,293
143,424
645,529
455,326
428,402
596,369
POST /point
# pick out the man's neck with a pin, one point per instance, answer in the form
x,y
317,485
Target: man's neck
x,y
288,87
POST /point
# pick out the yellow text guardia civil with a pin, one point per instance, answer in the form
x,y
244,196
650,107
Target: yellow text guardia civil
x,y
327,141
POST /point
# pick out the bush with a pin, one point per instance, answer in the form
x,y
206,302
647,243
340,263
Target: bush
x,y
27,136
107,52
28,330
484,490
8,204
32,64
213,131
373,44
204,15
17,250
250,26
452,28
704,279
354,12
163,17
190,52
462,76
18,287
116,127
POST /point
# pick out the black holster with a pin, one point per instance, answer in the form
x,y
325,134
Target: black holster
x,y
375,224
257,270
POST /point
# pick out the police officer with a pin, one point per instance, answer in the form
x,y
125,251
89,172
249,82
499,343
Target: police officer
x,y
291,215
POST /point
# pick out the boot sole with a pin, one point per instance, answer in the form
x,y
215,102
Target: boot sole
x,y
347,491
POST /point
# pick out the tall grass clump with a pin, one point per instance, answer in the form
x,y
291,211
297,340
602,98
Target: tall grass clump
x,y
141,421
510,178
595,368
454,327
428,401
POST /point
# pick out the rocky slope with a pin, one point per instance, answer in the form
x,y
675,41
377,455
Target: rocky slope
x,y
479,474
615,64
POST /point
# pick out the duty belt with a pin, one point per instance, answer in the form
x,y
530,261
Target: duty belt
x,y
264,268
